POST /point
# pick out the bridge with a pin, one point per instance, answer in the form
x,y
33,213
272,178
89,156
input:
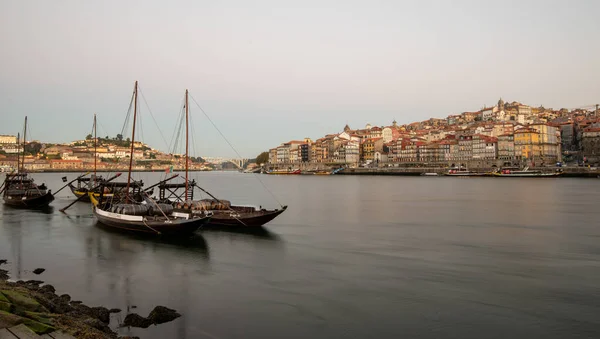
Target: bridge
x,y
239,163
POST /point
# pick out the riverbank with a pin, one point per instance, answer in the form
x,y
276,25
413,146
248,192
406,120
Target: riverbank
x,y
567,172
34,307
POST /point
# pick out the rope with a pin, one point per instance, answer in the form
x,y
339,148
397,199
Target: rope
x,y
152,115
236,152
144,221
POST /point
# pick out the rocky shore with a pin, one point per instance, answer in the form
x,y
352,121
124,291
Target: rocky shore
x,y
37,306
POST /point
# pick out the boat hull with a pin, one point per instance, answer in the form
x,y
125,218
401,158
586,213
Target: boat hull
x,y
528,175
150,225
252,219
83,195
40,201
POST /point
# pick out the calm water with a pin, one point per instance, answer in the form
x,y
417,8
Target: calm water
x,y
353,257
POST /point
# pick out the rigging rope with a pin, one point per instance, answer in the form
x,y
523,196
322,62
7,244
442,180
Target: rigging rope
x,y
233,148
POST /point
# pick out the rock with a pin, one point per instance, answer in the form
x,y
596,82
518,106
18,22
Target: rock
x,y
48,289
161,314
3,274
23,302
39,270
101,313
65,298
136,320
128,337
9,319
3,261
35,283
6,306
97,324
37,326
114,310
76,302
53,303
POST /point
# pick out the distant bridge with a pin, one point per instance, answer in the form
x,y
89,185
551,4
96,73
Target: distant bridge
x,y
239,163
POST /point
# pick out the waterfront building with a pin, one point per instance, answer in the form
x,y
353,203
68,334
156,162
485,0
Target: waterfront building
x,y
591,144
465,147
8,139
368,148
527,145
506,147
549,142
352,150
484,147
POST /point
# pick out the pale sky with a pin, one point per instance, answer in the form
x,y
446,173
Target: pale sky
x,y
272,71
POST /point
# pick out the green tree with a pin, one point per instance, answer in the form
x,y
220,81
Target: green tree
x,y
120,137
88,137
262,158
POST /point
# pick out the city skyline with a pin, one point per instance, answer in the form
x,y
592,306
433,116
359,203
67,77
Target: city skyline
x,y
272,72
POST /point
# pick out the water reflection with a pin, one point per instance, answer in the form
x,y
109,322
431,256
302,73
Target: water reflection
x,y
240,232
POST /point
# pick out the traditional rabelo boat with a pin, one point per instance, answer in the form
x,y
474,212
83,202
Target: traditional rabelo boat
x,y
19,189
127,213
86,184
222,211
284,171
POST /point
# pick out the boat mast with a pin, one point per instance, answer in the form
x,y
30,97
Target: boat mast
x,y
24,138
186,144
18,153
135,90
95,152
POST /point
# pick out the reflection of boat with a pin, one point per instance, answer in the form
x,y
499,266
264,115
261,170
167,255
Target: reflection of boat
x,y
123,212
20,189
526,173
288,171
430,174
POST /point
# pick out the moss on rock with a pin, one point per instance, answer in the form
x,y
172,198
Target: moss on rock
x,y
22,301
9,319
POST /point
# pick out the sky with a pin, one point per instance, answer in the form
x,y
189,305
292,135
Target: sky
x,y
267,72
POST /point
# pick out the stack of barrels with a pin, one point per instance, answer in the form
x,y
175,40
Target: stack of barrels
x,y
205,205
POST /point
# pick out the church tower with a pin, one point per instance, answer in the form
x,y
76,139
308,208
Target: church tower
x,y
500,104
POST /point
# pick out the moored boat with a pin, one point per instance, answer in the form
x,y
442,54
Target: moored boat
x,y
463,172
126,212
288,171
19,189
526,173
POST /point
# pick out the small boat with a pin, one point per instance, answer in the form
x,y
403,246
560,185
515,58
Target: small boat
x,y
462,172
526,173
20,189
125,212
84,185
430,174
290,171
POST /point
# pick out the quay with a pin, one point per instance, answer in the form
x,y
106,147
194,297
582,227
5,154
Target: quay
x,y
568,172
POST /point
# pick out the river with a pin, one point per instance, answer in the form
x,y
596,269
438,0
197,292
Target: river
x,y
352,257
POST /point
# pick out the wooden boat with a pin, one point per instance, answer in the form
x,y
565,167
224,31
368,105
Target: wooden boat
x,y
19,189
125,212
290,171
526,173
84,185
463,172
222,213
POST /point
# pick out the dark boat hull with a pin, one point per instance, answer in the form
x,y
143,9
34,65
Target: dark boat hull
x,y
150,225
40,201
253,219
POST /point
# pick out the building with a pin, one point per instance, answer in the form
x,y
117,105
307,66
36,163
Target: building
x,y
484,147
506,147
465,147
369,147
591,145
549,142
527,145
8,139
